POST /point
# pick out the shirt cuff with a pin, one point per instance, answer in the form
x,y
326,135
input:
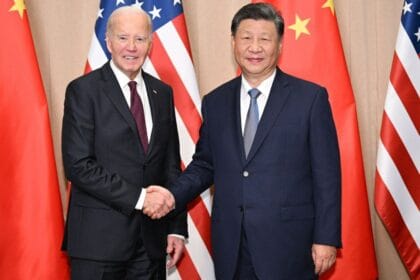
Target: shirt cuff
x,y
140,202
177,235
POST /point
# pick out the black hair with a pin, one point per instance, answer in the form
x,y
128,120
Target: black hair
x,y
258,11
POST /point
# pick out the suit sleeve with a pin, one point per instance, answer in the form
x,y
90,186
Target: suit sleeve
x,y
198,176
325,163
80,163
178,223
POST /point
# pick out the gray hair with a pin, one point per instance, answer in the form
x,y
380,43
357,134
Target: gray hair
x,y
111,19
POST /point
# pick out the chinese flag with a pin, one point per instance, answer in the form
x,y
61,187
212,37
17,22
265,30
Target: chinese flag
x,y
31,215
312,50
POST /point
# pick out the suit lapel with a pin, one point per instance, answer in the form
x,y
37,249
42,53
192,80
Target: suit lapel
x,y
237,126
152,95
276,100
112,89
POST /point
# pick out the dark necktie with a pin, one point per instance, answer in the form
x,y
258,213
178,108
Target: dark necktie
x,y
252,119
138,114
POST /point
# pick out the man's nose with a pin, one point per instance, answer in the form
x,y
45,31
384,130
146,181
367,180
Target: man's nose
x,y
132,44
255,45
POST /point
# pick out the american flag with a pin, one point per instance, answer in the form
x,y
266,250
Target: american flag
x,y
397,190
170,60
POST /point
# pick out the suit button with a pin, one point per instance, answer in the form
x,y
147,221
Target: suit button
x,y
245,173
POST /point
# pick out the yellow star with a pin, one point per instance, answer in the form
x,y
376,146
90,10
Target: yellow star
x,y
18,6
300,26
329,4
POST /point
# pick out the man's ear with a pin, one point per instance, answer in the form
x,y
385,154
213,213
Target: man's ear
x,y
108,43
232,41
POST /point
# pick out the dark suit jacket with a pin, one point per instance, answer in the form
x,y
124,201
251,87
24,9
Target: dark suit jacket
x,y
286,194
104,160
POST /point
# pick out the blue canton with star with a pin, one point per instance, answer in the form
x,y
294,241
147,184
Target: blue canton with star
x,y
410,19
160,11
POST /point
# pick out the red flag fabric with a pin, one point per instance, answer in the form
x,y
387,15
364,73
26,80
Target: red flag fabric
x,y
30,208
397,188
312,50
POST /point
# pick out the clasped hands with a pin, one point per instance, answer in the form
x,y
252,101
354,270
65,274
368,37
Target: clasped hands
x,y
158,202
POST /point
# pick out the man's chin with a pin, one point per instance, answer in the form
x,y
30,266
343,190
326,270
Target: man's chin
x,y
132,71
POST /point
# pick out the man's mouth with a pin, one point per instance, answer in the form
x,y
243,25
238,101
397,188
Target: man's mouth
x,y
254,59
129,57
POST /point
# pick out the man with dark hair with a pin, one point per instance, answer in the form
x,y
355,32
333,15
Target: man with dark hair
x,y
268,144
119,136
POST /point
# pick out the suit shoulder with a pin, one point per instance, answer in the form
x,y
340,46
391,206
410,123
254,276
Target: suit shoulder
x,y
88,78
155,82
85,86
302,85
227,87
88,85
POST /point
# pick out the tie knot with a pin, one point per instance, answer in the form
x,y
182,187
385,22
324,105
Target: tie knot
x,y
132,85
254,93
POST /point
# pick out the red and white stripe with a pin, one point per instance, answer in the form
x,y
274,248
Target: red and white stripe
x,y
170,60
397,192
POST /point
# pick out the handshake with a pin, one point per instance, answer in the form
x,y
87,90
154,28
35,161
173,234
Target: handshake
x,y
158,202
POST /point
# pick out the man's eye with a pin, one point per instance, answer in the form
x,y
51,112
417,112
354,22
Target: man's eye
x,y
122,38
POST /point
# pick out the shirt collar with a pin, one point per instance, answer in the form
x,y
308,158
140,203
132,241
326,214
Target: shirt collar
x,y
264,87
122,78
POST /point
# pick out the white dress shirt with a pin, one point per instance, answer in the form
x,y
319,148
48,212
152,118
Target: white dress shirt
x,y
264,88
141,89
